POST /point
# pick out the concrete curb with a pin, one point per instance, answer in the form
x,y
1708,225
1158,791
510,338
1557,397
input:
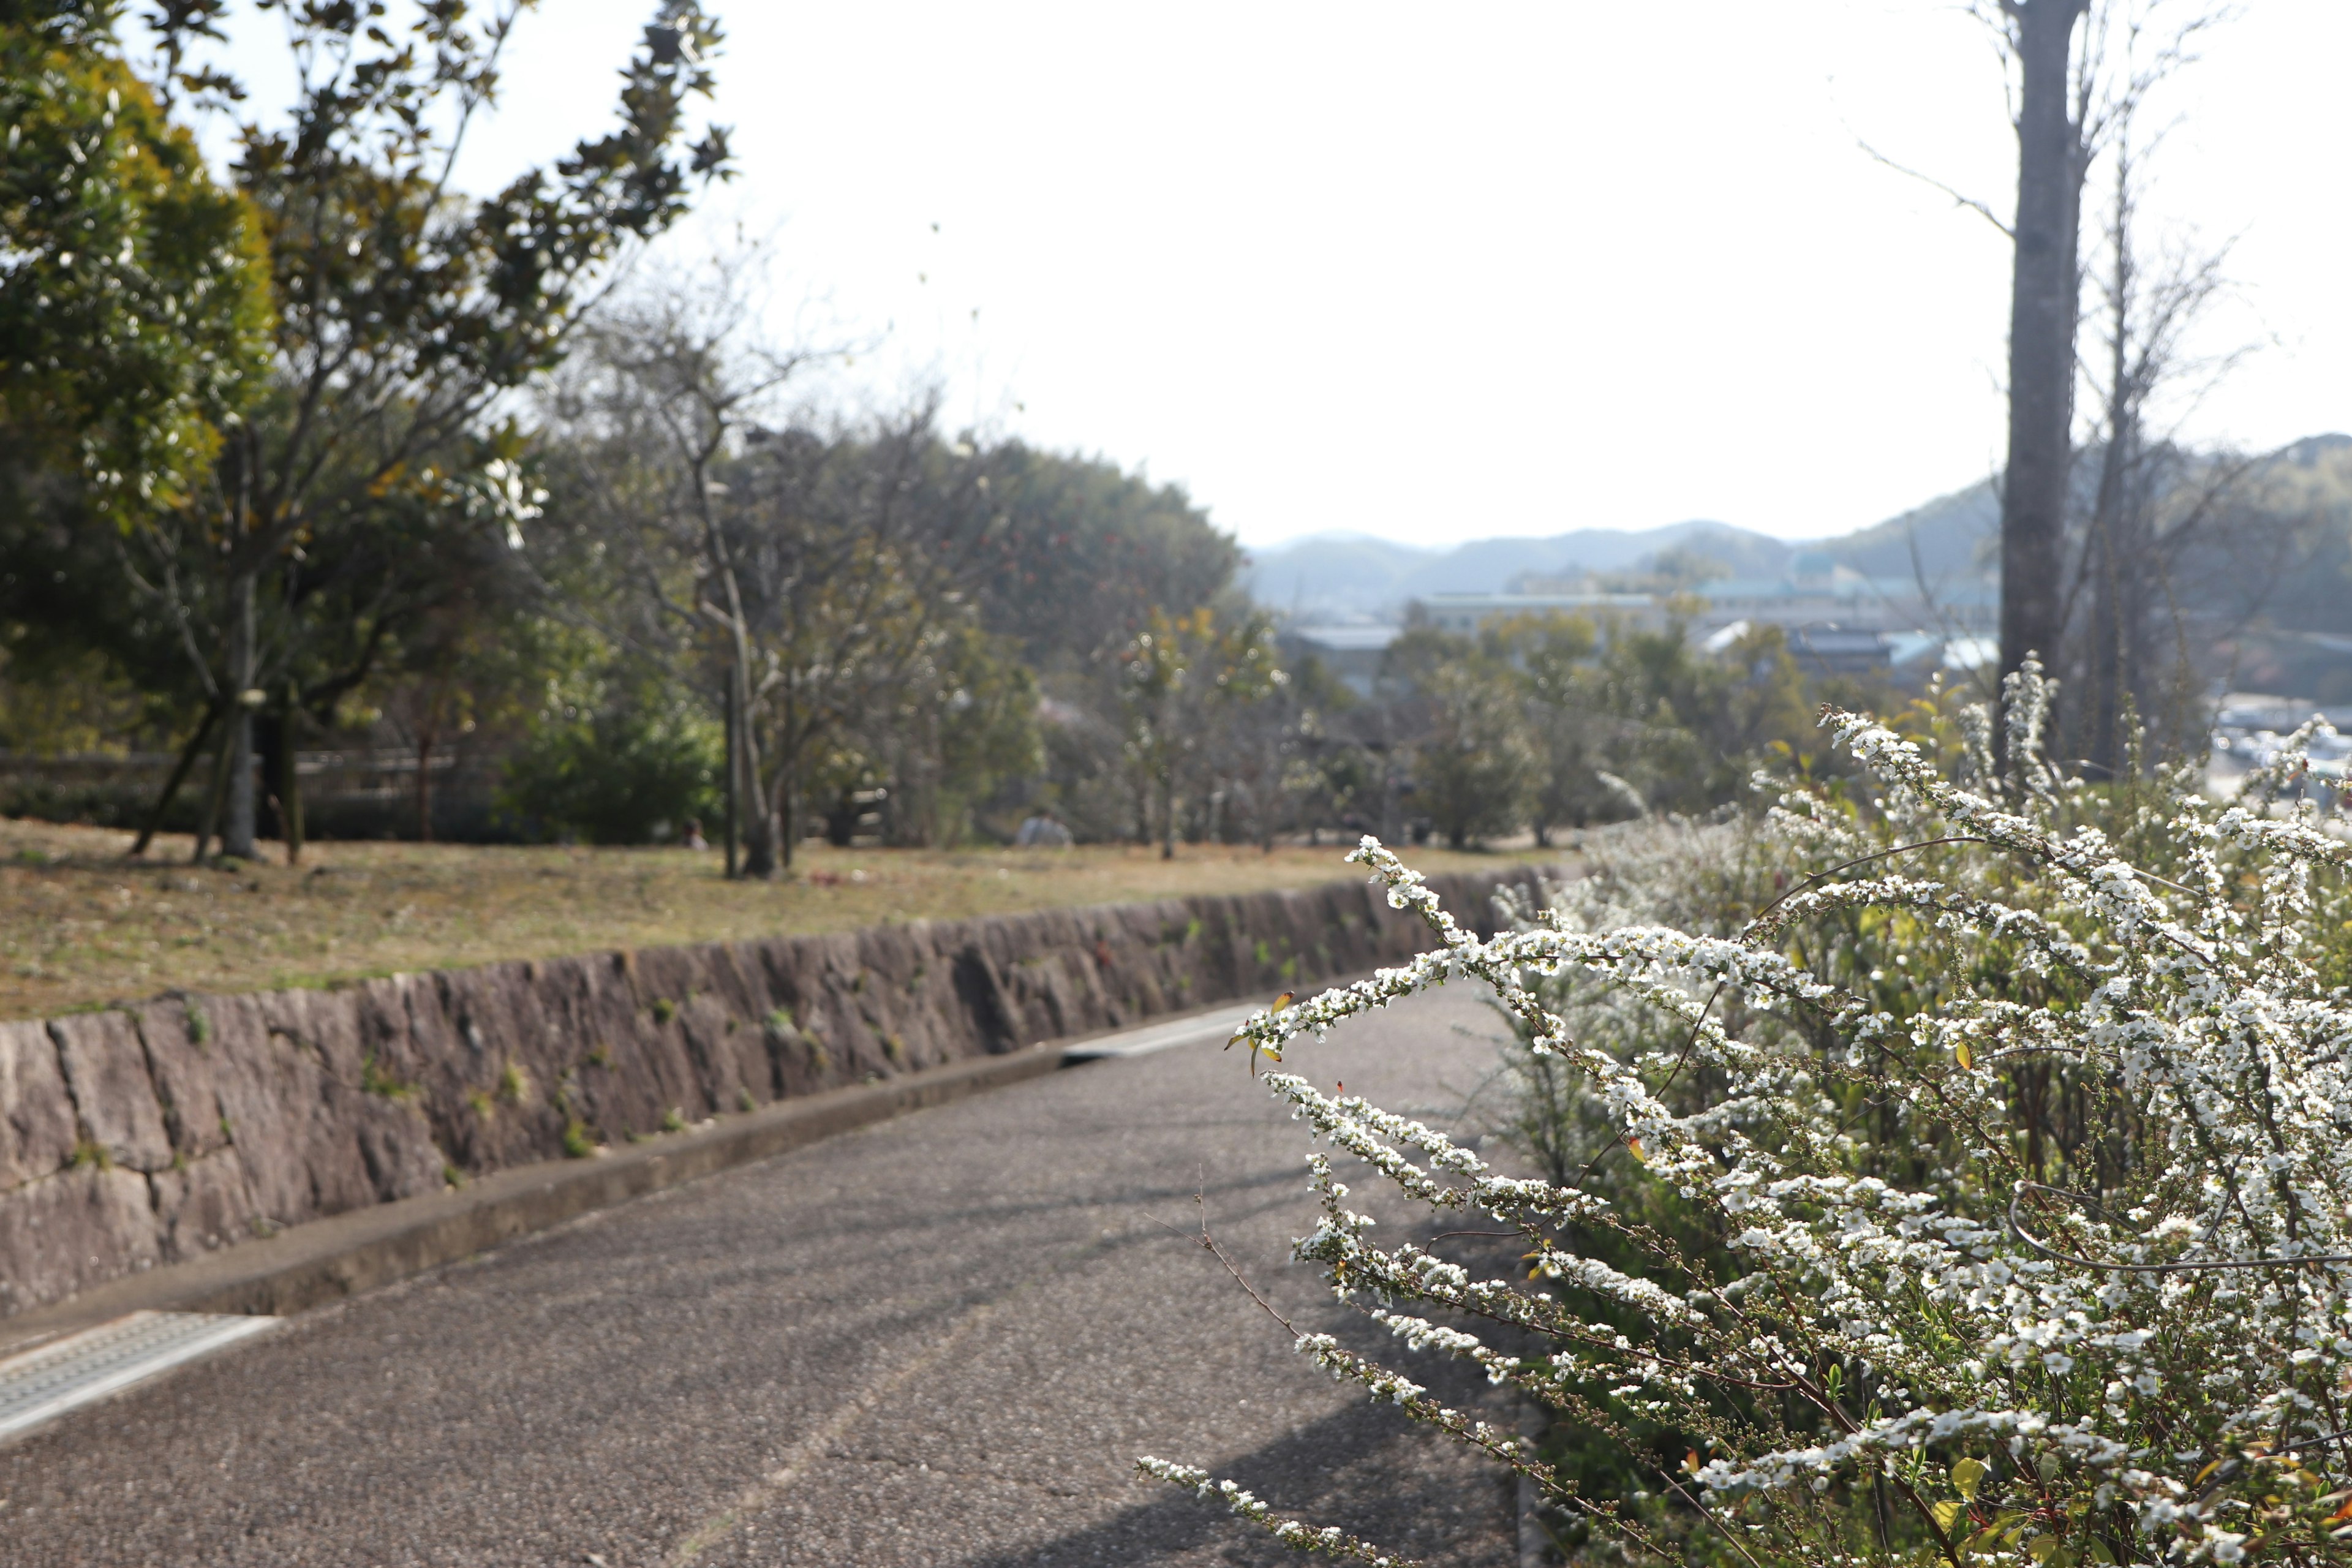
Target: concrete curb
x,y
308,1265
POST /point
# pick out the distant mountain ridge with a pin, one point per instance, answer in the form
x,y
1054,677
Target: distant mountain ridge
x,y
1344,576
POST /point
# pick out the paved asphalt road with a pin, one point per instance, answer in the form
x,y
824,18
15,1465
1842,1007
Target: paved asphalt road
x,y
941,1340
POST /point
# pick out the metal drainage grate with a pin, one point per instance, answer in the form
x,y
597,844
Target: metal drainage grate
x,y
1160,1036
44,1384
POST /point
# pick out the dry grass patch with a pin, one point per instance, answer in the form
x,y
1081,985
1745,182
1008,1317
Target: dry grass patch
x,y
81,925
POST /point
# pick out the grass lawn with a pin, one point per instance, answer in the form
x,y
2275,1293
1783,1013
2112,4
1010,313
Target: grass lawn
x,y
82,925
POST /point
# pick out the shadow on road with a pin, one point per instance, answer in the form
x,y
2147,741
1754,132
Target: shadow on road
x,y
1368,1468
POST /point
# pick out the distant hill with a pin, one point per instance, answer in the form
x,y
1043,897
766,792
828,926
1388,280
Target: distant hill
x,y
2274,560
1346,576
1953,535
1353,574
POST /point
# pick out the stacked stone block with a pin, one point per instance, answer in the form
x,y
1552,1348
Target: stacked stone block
x,y
147,1134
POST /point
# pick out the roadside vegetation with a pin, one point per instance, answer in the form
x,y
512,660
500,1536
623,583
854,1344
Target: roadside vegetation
x,y
79,925
1948,1165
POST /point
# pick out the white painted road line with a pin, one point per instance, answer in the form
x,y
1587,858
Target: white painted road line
x,y
1160,1036
42,1384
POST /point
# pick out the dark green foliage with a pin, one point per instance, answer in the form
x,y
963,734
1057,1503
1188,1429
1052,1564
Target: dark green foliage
x,y
1554,721
630,770
135,312
1473,765
1085,552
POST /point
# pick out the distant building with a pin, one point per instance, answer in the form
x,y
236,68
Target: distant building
x,y
1352,652
1464,613
1837,621
1828,648
1924,653
1817,591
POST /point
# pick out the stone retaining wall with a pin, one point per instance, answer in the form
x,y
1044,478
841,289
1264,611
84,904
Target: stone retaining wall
x,y
147,1134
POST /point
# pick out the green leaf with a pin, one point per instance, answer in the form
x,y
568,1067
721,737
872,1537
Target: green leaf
x,y
1966,1475
1947,1514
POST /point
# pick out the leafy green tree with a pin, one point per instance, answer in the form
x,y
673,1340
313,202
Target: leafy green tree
x,y
980,706
1553,654
1473,763
1624,719
851,556
135,328
1272,761
1179,676
624,760
1686,728
134,292
1085,553
405,312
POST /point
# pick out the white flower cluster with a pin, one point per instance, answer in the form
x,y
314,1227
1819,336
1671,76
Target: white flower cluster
x,y
1987,1193
1329,1541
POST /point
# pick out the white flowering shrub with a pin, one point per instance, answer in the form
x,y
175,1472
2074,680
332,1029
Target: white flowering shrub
x,y
1985,1193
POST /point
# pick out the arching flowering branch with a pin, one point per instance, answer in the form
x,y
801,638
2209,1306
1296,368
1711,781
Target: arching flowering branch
x,y
1998,1210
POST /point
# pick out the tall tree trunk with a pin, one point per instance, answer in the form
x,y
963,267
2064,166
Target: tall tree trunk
x,y
2108,665
734,774
760,832
784,812
2105,560
180,769
1168,813
216,795
289,778
760,847
2044,303
2118,565
268,754
238,835
424,738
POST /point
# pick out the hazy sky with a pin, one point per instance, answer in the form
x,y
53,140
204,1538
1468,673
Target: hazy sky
x,y
1442,272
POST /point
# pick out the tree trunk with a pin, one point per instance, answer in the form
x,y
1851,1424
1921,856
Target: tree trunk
x,y
760,832
734,774
269,755
2106,664
1168,814
760,859
289,780
236,836
180,769
216,796
784,813
2044,304
2118,560
424,737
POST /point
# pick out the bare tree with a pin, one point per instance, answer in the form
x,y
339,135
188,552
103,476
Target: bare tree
x,y
855,555
677,379
2149,504
2078,72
